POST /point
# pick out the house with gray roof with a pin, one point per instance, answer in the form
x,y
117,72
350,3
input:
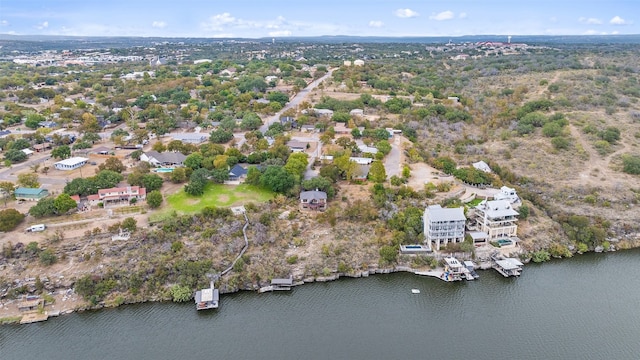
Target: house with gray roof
x,y
314,200
237,173
443,225
496,218
168,158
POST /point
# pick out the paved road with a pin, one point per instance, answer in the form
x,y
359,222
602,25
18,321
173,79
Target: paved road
x,y
297,99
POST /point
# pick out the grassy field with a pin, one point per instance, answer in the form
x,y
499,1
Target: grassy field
x,y
214,195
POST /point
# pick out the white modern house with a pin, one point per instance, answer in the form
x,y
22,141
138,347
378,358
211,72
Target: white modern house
x,y
71,163
508,194
443,225
497,219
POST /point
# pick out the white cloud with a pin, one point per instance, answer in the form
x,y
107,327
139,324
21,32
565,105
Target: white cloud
x,y
405,13
590,21
42,26
376,24
445,15
4,23
280,33
217,22
159,24
462,15
615,33
617,20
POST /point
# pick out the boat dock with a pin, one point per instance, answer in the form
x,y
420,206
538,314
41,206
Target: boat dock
x,y
508,266
207,298
33,317
283,284
453,271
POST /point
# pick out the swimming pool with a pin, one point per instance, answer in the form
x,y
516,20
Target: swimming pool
x,y
505,242
164,170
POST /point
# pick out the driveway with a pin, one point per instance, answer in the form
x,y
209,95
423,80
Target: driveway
x,y
392,162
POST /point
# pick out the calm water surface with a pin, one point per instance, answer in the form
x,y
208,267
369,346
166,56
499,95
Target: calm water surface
x,y
582,308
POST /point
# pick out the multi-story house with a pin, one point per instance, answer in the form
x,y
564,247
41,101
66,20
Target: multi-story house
x,y
443,226
496,218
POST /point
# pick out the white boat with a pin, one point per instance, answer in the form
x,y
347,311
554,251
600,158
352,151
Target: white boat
x,y
415,291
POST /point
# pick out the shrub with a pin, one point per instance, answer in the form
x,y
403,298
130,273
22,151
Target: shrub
x,y
47,257
631,164
180,293
540,256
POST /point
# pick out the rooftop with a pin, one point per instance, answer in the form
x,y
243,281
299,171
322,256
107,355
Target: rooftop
x,y
438,213
72,161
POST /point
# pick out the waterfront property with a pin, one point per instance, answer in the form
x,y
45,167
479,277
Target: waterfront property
x,y
207,298
508,266
443,225
71,163
414,249
454,270
31,194
314,200
496,218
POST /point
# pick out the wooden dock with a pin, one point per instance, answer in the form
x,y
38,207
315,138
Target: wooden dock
x,y
33,317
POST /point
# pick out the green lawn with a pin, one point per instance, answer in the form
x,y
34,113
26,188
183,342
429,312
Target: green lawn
x,y
217,195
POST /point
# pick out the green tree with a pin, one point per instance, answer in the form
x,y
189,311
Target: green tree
x,y
64,203
377,172
80,186
61,152
197,182
297,164
28,180
129,224
277,179
178,175
15,156
106,179
389,254
9,219
114,164
44,207
194,161
91,137
383,146
320,183
33,120
154,199
151,182
253,176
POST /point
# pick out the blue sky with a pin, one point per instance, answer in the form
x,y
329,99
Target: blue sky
x,y
279,18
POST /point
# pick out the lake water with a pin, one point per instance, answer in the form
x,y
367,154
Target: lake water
x,y
582,308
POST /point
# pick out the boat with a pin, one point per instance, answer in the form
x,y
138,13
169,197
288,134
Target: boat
x,y
415,291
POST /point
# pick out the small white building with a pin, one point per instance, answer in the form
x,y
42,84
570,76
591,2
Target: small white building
x,y
71,163
358,62
508,194
482,166
361,160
